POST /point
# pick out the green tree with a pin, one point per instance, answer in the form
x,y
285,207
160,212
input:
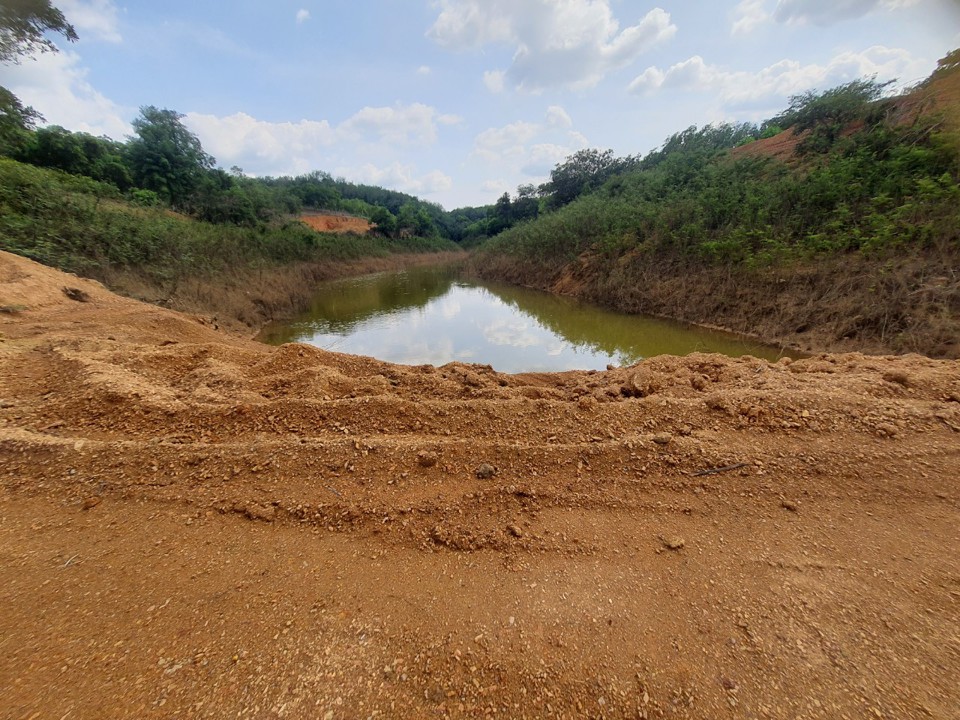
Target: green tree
x,y
16,121
581,172
826,114
526,206
166,157
24,25
384,221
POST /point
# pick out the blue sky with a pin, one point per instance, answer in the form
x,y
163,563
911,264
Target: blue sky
x,y
458,101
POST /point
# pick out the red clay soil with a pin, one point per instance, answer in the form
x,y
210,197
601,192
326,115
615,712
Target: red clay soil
x,y
193,525
781,146
337,224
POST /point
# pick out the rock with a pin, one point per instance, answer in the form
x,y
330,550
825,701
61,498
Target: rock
x,y
888,430
789,505
76,294
485,471
427,458
897,377
91,502
587,402
515,531
641,384
672,543
662,438
265,513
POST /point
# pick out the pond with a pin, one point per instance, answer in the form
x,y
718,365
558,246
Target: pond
x,y
434,316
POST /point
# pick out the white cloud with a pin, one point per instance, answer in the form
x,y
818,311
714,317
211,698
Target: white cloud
x,y
302,16
494,80
424,70
56,85
828,12
95,19
527,149
281,148
495,187
261,147
572,43
399,177
497,143
399,124
544,157
558,117
749,14
781,79
649,80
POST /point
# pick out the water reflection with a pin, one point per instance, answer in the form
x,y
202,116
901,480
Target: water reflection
x,y
429,315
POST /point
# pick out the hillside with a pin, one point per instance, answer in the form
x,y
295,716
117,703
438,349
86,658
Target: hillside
x,y
235,274
198,525
840,233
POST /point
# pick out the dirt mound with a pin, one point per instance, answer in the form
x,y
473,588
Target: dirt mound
x,y
337,224
195,525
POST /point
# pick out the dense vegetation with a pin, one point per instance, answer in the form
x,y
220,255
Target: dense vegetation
x,y
884,186
84,226
864,179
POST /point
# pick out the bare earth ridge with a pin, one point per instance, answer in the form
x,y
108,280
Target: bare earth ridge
x,y
196,525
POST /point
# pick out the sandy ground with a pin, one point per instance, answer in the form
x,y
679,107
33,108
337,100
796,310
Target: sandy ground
x,y
195,525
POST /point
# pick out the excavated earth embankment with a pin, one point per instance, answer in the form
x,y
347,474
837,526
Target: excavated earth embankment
x,y
196,525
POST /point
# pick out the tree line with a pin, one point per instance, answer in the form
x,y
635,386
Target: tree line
x,y
867,175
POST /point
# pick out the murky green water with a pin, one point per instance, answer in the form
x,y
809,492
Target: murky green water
x,y
430,315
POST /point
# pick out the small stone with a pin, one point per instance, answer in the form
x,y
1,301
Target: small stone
x,y
515,530
427,458
897,377
76,294
91,502
789,505
662,438
486,471
888,430
265,513
672,543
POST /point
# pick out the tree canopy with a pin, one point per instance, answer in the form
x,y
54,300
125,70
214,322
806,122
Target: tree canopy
x,y
23,28
165,156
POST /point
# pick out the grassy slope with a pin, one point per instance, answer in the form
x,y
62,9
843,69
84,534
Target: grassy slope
x,y
857,249
81,226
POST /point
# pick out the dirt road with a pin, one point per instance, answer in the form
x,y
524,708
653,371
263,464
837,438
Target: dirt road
x,y
195,525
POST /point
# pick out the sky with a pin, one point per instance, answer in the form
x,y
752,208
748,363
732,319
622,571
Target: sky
x,y
459,101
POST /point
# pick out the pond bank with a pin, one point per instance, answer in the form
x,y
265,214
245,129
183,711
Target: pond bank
x,y
244,300
849,303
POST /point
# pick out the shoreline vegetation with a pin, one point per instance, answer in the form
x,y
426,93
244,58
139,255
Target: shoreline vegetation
x,y
834,226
